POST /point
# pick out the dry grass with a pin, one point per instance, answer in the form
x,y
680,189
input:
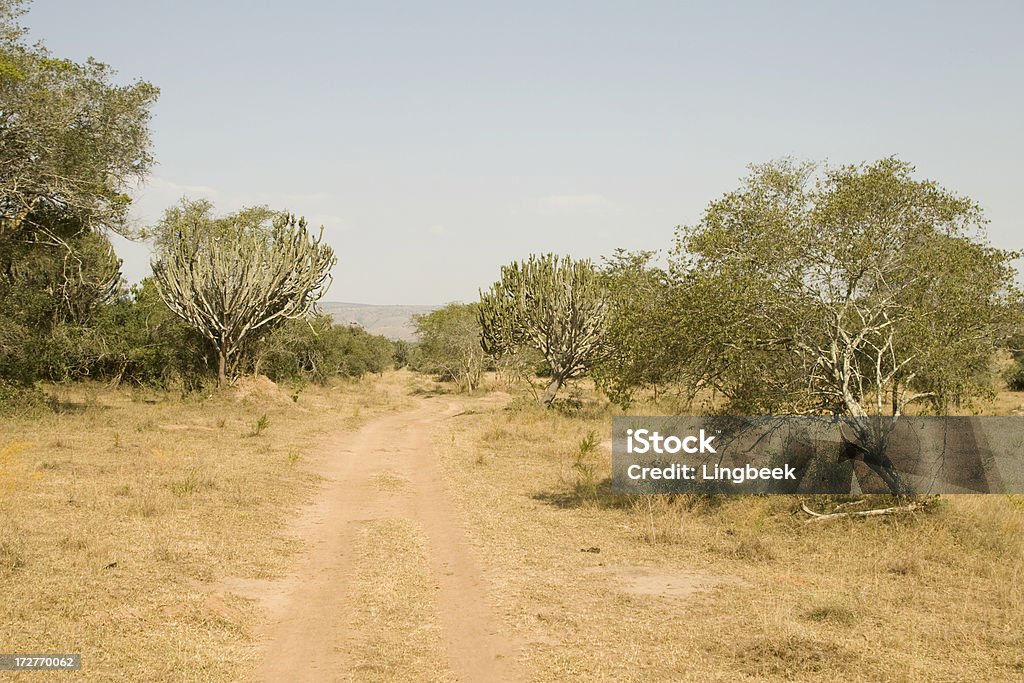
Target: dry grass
x,y
121,509
397,633
937,596
121,512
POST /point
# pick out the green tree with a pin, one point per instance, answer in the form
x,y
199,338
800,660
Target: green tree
x,y
45,289
71,141
639,309
135,338
449,344
556,306
401,353
852,291
235,278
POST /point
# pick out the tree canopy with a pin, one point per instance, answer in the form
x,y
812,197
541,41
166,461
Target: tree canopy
x,y
237,277
554,305
853,291
449,344
638,355
72,141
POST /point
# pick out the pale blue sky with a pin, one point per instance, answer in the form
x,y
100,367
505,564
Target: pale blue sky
x,y
437,141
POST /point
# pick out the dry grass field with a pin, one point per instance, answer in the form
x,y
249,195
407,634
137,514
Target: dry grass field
x,y
120,510
602,588
124,513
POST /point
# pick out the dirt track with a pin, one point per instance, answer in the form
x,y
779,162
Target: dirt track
x,y
310,612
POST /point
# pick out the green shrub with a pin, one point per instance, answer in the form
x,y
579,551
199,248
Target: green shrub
x,y
134,339
316,350
1014,377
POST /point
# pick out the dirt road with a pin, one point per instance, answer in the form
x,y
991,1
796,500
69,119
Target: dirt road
x,y
311,625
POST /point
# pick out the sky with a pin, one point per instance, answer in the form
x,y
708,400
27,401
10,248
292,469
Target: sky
x,y
437,141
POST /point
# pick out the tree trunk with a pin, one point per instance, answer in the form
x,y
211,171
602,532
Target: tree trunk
x,y
888,473
222,362
879,463
552,390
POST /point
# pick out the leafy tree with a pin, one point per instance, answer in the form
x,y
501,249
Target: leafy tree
x,y
639,308
44,288
71,141
68,284
135,339
401,353
376,353
1013,374
554,305
449,344
235,278
852,291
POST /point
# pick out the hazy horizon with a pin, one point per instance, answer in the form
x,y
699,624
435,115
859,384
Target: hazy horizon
x,y
436,143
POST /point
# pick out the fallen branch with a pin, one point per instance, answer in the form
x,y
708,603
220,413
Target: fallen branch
x,y
819,517
843,506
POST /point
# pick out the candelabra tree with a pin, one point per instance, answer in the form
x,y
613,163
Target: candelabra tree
x,y
554,305
235,278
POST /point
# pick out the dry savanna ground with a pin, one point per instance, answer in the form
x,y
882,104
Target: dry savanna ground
x,y
120,510
130,520
732,589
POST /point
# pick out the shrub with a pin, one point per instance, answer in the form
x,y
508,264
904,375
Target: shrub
x,y
1014,377
316,350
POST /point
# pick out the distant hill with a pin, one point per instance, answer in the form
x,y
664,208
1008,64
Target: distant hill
x,y
394,322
